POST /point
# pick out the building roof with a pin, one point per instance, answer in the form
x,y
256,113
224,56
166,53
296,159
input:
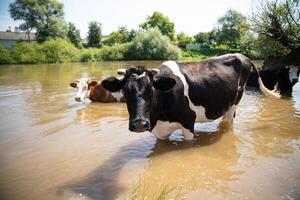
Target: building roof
x,y
15,36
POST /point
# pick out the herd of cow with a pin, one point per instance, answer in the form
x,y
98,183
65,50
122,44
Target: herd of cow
x,y
177,95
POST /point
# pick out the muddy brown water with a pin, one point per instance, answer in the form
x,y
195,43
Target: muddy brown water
x,y
52,147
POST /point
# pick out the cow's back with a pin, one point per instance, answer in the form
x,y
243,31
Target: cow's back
x,y
214,83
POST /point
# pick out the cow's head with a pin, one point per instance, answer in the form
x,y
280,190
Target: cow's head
x,y
83,86
138,86
294,74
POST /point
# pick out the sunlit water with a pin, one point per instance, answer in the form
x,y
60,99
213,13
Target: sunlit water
x,y
52,147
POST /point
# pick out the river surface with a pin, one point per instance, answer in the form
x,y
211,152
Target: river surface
x,y
52,147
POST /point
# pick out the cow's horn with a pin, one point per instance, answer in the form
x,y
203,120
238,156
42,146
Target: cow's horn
x,y
121,71
155,71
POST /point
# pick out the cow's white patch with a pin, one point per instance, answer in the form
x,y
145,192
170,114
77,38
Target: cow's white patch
x,y
199,110
118,95
293,73
142,75
228,116
162,129
82,92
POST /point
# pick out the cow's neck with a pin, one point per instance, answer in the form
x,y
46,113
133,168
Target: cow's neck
x,y
153,109
91,95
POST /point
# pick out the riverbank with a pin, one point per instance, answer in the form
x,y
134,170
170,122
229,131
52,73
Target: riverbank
x,y
62,51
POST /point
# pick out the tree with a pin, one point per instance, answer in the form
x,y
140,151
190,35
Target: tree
x,y
230,27
46,16
202,38
183,39
163,23
152,45
74,35
122,35
278,28
94,35
278,24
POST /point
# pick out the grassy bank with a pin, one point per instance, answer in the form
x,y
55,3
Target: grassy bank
x,y
62,51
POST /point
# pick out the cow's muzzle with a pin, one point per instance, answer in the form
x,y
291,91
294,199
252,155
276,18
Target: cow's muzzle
x,y
78,99
139,125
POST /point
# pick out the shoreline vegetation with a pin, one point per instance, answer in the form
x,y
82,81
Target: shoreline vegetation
x,y
271,34
63,51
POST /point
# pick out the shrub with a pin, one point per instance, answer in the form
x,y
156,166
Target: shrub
x,y
25,53
58,51
152,45
5,57
89,55
115,52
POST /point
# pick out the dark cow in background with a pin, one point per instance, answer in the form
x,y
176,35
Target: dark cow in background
x,y
94,91
283,80
176,95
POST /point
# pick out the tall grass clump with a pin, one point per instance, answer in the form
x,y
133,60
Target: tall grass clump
x,y
152,45
140,191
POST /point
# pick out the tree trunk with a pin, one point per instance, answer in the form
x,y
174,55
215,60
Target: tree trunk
x,y
28,35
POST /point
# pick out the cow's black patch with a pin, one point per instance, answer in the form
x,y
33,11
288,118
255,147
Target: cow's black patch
x,y
214,83
172,105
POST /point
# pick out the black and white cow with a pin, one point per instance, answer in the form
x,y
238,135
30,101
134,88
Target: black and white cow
x,y
283,79
176,95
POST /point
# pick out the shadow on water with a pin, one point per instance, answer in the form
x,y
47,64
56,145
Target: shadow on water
x,y
102,183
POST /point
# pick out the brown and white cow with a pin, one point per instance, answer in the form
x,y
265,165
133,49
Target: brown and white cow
x,y
177,95
94,91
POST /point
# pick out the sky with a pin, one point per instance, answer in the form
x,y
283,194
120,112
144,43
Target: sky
x,y
189,16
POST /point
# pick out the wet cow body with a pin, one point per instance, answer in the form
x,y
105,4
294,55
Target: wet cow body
x,y
94,91
177,95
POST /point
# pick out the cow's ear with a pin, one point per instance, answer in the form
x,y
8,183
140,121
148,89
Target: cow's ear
x,y
73,84
164,83
93,83
112,84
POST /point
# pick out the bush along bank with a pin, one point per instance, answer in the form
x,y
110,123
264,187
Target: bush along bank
x,y
150,45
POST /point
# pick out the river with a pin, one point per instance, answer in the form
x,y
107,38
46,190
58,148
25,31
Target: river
x,y
52,147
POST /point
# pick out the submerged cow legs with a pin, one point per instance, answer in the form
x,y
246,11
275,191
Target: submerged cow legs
x,y
227,118
187,134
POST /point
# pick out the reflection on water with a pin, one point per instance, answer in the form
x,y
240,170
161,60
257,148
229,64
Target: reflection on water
x,y
52,147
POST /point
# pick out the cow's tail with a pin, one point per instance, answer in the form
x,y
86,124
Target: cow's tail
x,y
265,91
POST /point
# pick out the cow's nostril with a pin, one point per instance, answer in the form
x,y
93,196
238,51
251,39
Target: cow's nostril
x,y
77,98
145,124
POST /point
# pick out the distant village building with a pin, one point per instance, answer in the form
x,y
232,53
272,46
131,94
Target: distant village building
x,y
8,38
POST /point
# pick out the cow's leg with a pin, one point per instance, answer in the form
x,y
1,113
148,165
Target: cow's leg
x,y
162,130
187,134
229,115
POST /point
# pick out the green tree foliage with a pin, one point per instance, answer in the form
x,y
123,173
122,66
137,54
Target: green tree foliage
x,y
183,39
46,16
120,36
5,56
163,23
94,35
203,38
74,35
58,51
278,27
24,53
152,45
230,28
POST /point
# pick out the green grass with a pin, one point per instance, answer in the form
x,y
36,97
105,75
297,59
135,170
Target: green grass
x,y
140,191
200,54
